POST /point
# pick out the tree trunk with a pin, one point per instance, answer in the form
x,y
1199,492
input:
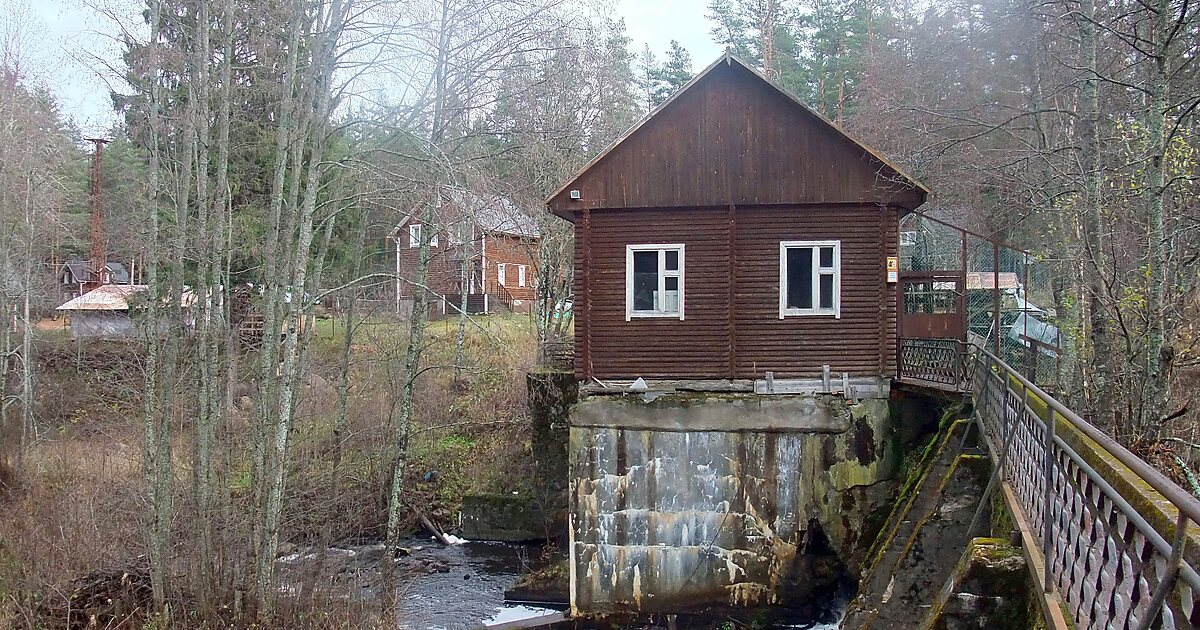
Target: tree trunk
x,y
1158,350
156,461
290,369
1099,388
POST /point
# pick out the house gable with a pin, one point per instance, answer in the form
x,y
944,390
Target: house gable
x,y
733,137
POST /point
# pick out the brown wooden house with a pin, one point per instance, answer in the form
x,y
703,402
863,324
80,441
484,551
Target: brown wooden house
x,y
733,232
498,240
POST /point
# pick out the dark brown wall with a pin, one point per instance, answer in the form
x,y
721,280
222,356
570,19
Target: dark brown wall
x,y
734,138
443,272
714,340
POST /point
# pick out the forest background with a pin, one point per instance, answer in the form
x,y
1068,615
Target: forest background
x,y
254,150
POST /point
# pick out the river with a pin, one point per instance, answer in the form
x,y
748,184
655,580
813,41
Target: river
x,y
460,587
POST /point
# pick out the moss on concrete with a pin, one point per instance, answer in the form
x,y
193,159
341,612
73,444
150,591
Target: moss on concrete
x,y
990,588
1149,503
1002,519
914,470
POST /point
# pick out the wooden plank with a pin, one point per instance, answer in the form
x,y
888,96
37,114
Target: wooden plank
x,y
1051,603
734,138
731,276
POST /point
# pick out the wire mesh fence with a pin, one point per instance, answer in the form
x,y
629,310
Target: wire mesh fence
x,y
1004,297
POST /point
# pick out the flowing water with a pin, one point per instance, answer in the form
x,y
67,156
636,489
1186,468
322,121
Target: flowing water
x,y
459,587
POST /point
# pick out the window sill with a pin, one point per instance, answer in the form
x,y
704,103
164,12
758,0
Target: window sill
x,y
652,315
810,313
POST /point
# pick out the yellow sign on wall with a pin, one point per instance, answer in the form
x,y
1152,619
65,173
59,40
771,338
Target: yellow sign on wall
x,y
893,263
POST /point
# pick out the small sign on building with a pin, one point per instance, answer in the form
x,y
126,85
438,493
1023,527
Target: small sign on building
x,y
893,269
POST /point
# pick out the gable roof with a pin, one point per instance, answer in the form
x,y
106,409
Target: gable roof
x,y
81,270
693,127
493,214
109,297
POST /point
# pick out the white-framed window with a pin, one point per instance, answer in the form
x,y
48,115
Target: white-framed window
x,y
520,275
414,236
654,280
500,268
810,278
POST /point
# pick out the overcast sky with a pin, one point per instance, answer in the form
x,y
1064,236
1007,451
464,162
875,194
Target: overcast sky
x,y
65,44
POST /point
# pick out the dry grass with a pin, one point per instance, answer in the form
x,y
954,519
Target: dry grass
x,y
76,500
77,506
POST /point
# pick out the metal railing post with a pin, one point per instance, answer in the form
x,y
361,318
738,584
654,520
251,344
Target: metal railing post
x,y
1168,580
1047,498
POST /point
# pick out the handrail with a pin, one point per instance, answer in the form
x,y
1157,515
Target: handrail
x,y
1108,574
1181,499
503,294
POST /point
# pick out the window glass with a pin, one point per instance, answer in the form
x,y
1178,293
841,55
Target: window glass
x,y
672,263
799,277
826,282
826,257
645,280
670,298
414,235
500,269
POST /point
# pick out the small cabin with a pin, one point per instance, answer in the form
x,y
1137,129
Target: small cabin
x,y
489,237
103,312
733,232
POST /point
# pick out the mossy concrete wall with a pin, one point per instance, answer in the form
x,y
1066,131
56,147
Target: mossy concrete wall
x,y
924,537
550,395
504,517
777,505
990,588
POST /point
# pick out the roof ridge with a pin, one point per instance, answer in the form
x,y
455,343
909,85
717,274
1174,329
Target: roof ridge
x,y
729,58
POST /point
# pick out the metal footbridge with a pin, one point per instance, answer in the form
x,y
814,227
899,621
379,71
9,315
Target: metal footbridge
x,y
1111,541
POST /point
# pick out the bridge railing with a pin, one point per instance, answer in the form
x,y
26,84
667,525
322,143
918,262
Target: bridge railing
x,y
1113,530
935,361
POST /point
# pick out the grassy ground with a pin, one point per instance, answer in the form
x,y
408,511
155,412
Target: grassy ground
x,y
77,503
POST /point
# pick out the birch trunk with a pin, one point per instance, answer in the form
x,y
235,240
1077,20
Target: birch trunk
x,y
158,433
269,346
339,427
322,71
1099,350
465,273
27,428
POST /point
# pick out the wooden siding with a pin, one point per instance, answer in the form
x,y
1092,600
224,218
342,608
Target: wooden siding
x,y
513,252
731,137
444,269
745,338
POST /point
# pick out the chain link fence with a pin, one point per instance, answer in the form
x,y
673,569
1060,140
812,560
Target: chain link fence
x,y
1007,296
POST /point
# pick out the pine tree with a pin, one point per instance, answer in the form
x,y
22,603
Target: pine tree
x,y
673,74
648,72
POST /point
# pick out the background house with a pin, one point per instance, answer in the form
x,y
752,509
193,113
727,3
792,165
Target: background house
x,y
490,235
103,311
734,232
76,276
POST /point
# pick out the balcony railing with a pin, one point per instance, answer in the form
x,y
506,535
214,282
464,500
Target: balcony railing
x,y
933,361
